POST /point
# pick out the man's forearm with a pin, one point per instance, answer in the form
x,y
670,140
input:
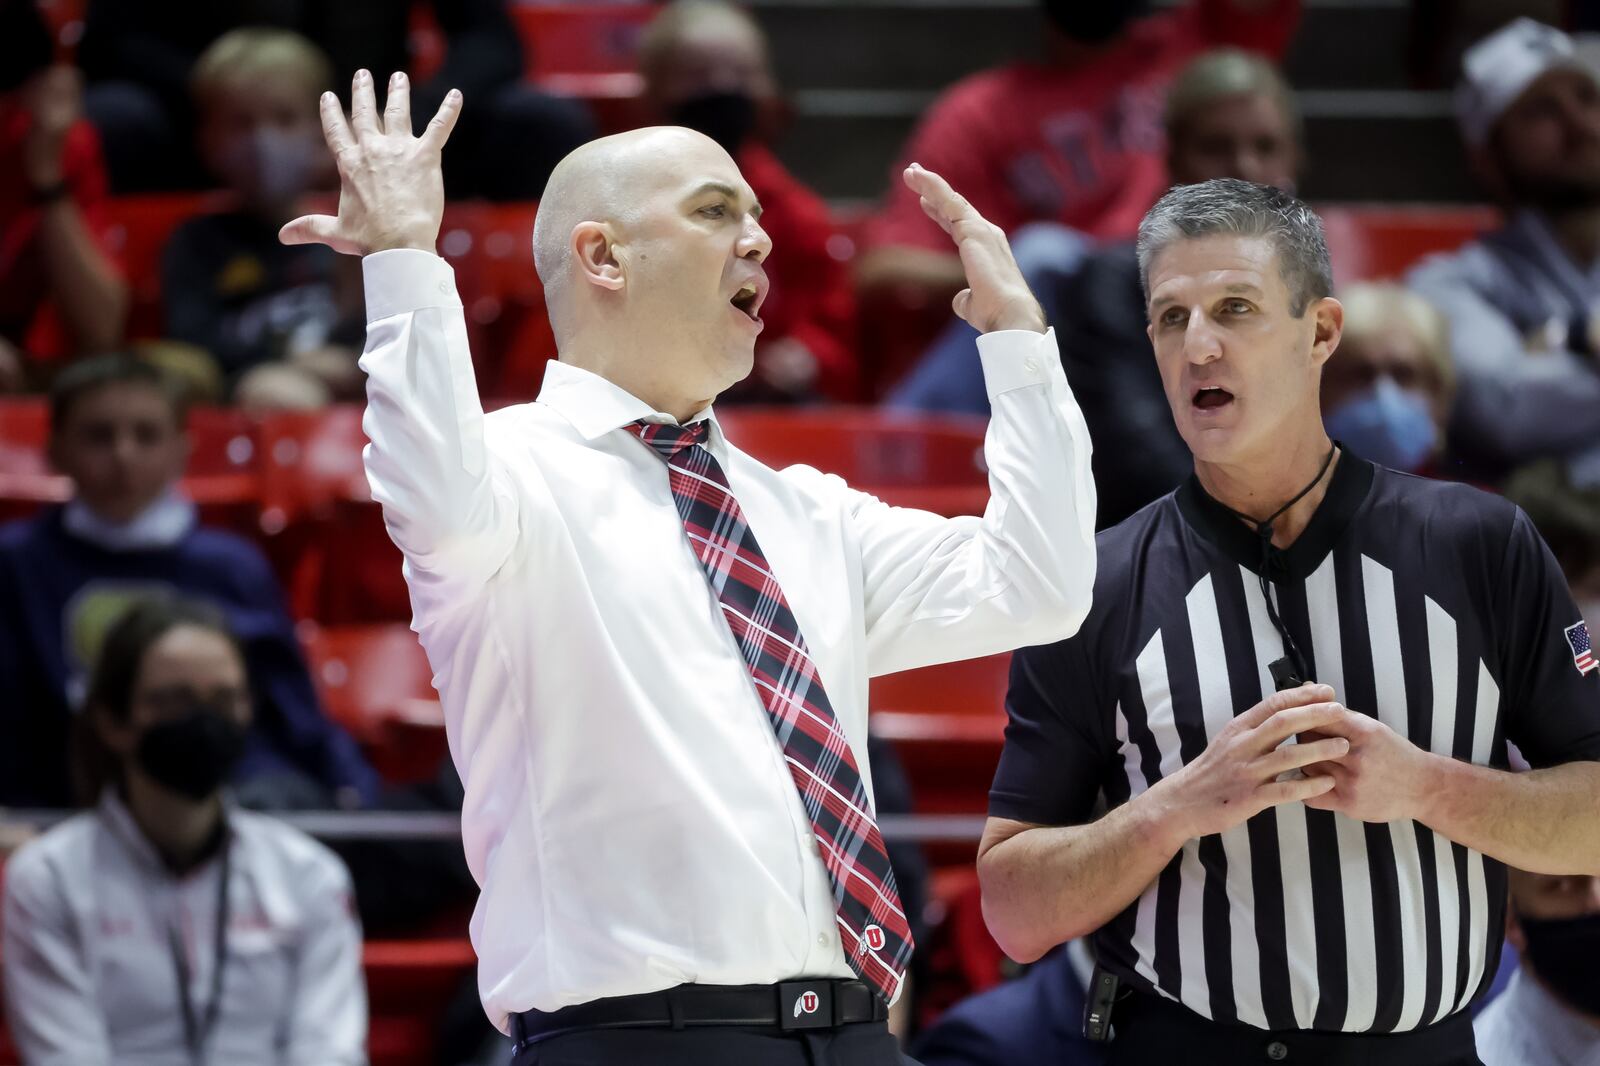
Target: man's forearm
x,y
92,299
1047,885
1542,821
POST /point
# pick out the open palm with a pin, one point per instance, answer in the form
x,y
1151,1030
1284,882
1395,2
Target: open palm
x,y
391,187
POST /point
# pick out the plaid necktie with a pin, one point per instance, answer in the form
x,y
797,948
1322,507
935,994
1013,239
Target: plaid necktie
x,y
872,923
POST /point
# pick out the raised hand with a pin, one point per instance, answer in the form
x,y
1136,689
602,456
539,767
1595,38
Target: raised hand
x,y
996,297
54,99
391,187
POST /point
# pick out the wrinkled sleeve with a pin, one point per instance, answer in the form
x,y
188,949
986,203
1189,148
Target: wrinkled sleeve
x,y
51,1005
941,589
447,500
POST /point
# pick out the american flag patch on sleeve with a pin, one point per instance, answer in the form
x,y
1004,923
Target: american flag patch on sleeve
x,y
1582,651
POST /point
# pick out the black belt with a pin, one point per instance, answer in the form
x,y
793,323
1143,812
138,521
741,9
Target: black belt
x,y
1152,1029
822,1003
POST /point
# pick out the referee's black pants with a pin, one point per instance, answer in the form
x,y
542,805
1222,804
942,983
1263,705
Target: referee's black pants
x,y
1151,1031
866,1044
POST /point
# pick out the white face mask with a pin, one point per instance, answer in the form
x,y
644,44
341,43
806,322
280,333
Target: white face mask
x,y
272,166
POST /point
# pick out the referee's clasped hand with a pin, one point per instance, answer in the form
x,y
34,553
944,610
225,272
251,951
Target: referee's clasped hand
x,y
1382,778
1238,775
391,186
996,296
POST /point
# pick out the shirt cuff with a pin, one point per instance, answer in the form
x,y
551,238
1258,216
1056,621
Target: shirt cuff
x,y
402,280
1016,358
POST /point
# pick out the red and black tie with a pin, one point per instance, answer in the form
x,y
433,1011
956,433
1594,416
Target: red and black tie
x,y
872,922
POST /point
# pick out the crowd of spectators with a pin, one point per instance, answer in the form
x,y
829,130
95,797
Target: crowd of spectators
x,y
150,670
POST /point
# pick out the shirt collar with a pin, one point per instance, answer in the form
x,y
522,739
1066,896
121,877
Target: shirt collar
x,y
113,811
1347,490
595,406
161,525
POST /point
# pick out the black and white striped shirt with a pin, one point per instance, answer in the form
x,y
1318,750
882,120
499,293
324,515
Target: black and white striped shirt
x,y
1434,607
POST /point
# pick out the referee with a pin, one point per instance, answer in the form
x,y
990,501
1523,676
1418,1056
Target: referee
x,y
1292,701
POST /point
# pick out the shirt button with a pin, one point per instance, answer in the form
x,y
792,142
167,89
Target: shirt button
x,y
822,939
444,286
1277,1051
1031,366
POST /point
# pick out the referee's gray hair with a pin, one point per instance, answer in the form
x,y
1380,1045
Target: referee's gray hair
x,y
1231,207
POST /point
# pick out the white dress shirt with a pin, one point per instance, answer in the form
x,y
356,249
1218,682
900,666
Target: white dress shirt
x,y
628,813
90,976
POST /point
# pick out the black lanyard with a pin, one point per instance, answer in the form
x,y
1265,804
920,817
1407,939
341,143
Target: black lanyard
x,y
197,1031
1292,670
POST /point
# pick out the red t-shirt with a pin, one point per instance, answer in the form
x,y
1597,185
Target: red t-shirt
x,y
26,317
1082,147
812,298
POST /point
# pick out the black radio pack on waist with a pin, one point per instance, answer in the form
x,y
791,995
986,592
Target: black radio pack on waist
x,y
1097,1008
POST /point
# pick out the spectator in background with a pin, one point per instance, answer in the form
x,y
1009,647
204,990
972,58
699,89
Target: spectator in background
x,y
117,430
706,66
1522,300
1036,1018
1550,1013
1229,114
1387,390
137,55
1074,139
60,293
284,324
167,925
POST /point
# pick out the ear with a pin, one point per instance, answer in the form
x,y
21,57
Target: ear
x,y
1327,320
594,251
1514,934
118,738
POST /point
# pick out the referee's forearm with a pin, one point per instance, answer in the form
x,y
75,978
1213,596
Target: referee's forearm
x,y
1045,885
1543,821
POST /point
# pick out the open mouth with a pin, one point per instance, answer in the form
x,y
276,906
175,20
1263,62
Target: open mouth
x,y
1212,398
749,298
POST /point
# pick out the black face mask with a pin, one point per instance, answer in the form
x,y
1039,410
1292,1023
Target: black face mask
x,y
727,118
1092,21
1563,952
192,755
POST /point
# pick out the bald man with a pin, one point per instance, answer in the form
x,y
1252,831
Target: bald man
x,y
652,650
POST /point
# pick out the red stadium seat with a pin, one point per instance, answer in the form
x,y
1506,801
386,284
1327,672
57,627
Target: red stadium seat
x,y
588,51
309,459
947,724
409,982
491,248
139,227
375,681
935,462
1379,241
